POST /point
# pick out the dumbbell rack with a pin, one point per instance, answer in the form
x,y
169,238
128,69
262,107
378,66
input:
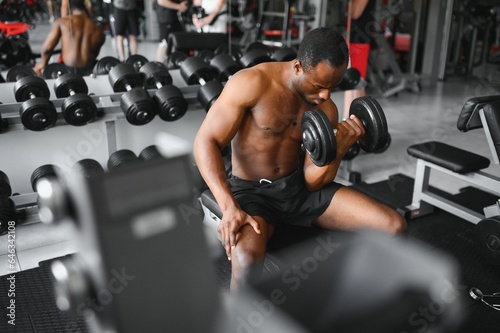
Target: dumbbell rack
x,y
108,105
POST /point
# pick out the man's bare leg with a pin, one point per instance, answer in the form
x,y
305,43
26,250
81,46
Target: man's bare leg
x,y
132,44
350,209
250,250
120,47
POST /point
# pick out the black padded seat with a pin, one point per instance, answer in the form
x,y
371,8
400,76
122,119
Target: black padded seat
x,y
449,157
492,115
208,200
186,41
469,116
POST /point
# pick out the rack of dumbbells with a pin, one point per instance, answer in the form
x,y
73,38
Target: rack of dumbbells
x,y
135,92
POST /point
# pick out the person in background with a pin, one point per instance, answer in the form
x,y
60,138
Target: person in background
x,y
362,18
126,21
168,20
216,19
81,40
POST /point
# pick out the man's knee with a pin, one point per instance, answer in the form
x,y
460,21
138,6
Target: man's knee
x,y
395,222
245,258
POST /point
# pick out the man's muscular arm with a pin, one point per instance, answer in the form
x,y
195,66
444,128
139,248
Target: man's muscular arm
x,y
48,46
348,132
217,130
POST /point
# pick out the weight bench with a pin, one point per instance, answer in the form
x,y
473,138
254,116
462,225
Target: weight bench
x,y
185,41
478,112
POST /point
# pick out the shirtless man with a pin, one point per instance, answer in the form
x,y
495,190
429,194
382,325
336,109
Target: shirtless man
x,y
81,40
259,113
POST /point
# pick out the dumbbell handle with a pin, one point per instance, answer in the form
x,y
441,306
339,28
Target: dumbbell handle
x,y
128,87
202,81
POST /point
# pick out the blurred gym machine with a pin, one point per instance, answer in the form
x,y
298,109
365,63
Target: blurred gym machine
x,y
284,23
385,73
353,282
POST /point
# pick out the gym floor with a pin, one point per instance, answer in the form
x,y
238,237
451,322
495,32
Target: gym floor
x,y
412,118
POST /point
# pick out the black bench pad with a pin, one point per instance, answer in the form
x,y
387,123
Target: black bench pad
x,y
449,157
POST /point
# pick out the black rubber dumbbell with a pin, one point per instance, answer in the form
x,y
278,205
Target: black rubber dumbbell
x,y
104,65
17,72
195,71
8,214
37,112
284,54
175,59
169,98
138,107
255,53
150,153
224,66
137,61
232,50
46,171
78,108
121,158
5,188
88,167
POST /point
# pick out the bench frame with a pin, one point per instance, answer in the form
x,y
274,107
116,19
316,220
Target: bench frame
x,y
424,201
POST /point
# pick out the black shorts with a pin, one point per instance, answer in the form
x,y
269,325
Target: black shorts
x,y
126,22
284,201
83,71
168,27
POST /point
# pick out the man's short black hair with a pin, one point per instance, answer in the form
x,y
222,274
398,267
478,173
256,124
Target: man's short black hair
x,y
322,44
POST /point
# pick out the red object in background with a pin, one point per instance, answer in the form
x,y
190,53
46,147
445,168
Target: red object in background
x,y
9,29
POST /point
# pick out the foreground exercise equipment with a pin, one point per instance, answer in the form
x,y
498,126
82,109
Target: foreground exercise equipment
x,y
5,188
318,135
121,158
37,112
169,98
78,108
478,295
104,65
137,105
255,56
195,71
122,236
487,239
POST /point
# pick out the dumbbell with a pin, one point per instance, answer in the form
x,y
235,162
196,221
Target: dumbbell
x,y
88,167
17,72
232,50
150,153
284,54
5,188
169,98
351,79
37,112
78,108
137,61
8,213
121,158
195,71
318,135
175,59
255,53
207,55
104,65
224,66
137,105
46,171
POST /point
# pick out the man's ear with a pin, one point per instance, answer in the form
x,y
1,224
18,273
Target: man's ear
x,y
297,67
